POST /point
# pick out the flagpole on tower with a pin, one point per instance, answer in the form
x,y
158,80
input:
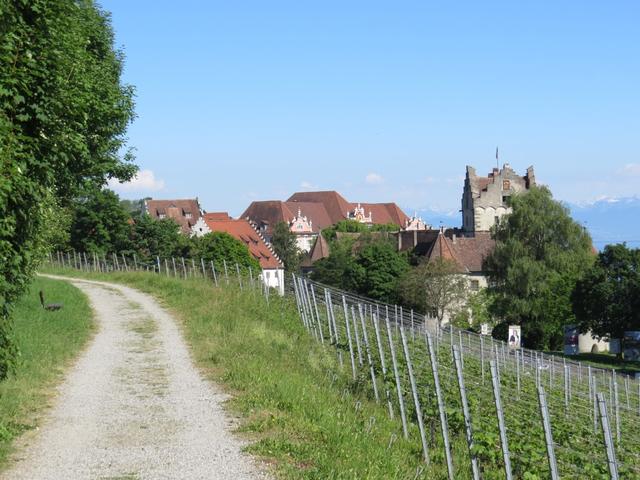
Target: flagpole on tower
x,y
497,162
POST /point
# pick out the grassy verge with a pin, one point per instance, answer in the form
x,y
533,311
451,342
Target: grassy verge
x,y
301,418
603,360
48,341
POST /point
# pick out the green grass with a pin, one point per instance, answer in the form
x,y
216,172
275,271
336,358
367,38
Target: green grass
x,y
300,418
307,417
603,360
48,342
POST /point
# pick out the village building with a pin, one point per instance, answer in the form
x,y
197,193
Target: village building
x,y
184,212
307,213
359,215
272,267
340,209
468,254
304,219
415,223
486,199
319,251
302,228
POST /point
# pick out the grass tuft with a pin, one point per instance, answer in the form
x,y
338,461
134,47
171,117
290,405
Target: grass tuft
x,y
47,342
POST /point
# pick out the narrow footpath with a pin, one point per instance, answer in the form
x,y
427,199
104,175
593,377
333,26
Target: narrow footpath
x,y
133,406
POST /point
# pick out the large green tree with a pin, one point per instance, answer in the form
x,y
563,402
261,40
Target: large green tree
x,y
380,268
100,224
63,118
369,266
217,247
540,253
339,269
606,300
162,238
285,246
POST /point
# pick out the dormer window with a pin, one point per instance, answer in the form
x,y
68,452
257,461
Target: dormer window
x,y
187,215
161,216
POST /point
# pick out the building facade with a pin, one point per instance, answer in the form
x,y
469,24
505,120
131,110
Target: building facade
x,y
486,199
185,212
272,273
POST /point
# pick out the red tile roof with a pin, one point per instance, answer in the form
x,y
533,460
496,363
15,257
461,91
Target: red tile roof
x,y
271,212
242,230
178,210
336,206
382,213
468,252
217,216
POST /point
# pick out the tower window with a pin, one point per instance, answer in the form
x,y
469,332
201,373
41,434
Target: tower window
x,y
506,185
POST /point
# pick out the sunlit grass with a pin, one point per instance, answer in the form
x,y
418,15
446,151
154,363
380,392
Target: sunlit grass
x,y
299,416
48,342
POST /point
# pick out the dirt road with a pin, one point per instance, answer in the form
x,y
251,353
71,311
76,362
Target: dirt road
x,y
134,406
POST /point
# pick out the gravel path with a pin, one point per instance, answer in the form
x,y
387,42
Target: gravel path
x,y
134,406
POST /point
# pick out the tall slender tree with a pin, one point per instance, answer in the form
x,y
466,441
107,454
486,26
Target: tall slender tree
x,y
285,246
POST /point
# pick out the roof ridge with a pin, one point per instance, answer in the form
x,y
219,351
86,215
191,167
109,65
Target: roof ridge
x,y
267,244
440,242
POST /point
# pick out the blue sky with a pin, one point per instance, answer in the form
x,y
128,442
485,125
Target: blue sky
x,y
382,101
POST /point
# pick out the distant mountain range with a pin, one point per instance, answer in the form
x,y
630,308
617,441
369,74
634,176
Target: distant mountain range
x,y
609,220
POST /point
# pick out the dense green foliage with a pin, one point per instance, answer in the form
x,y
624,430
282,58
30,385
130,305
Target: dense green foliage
x,y
162,238
354,226
369,266
435,287
217,247
284,244
607,300
63,117
100,224
47,342
475,312
540,254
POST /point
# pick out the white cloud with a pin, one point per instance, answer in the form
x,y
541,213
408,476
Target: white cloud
x,y
631,169
144,181
374,179
308,185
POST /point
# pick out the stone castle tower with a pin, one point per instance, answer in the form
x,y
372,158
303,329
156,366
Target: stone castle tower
x,y
484,199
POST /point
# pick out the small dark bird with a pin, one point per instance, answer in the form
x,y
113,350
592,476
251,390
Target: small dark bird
x,y
49,306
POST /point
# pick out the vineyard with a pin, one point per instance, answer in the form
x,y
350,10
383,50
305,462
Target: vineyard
x,y
481,408
475,407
